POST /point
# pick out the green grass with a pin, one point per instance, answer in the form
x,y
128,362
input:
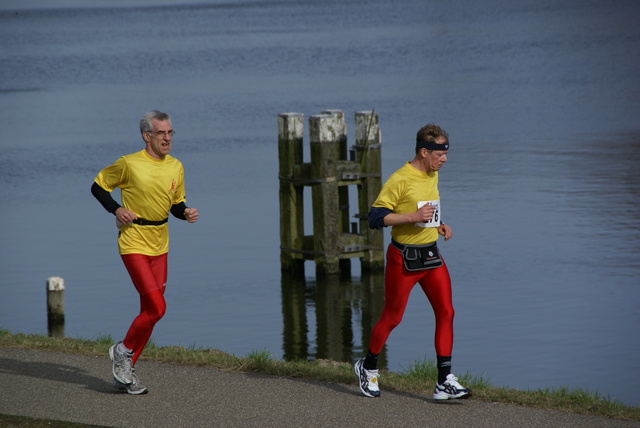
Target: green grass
x,y
410,379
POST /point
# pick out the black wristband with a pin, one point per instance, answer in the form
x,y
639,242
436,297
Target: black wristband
x,y
178,210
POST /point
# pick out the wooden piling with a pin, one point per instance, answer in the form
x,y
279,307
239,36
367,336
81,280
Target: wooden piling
x,y
323,135
333,168
290,135
55,306
344,226
367,147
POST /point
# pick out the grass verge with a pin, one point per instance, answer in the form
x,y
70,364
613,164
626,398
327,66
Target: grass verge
x,y
410,379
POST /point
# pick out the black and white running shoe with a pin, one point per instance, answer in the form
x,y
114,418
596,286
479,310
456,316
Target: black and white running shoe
x,y
367,379
450,389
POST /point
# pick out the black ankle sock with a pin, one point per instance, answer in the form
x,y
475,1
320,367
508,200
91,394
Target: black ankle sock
x,y
370,361
444,368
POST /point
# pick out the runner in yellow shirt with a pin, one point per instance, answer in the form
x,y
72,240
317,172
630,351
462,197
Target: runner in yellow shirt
x,y
409,202
152,186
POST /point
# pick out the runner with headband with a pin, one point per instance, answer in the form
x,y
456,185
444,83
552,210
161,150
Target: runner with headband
x,y
409,202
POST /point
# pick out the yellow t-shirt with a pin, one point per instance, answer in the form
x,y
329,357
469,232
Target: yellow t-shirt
x,y
149,188
401,194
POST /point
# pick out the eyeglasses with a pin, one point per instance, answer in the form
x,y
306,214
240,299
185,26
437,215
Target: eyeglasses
x,y
163,133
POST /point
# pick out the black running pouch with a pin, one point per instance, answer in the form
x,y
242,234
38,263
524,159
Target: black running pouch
x,y
419,257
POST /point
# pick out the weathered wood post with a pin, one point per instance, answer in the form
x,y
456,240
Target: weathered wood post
x,y
335,241
55,306
290,133
368,144
323,136
340,130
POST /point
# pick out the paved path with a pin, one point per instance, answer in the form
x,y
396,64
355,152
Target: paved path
x,y
77,388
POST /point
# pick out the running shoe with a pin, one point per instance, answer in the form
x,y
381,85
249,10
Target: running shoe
x,y
122,366
367,379
450,389
134,388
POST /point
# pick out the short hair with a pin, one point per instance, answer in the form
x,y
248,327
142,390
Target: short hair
x,y
429,133
146,124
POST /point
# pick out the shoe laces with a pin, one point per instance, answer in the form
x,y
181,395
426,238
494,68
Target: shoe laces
x,y
453,381
127,365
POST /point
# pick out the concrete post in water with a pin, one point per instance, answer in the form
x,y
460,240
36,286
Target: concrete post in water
x,y
55,306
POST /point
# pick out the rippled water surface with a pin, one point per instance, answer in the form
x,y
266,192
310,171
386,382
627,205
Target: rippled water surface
x,y
541,188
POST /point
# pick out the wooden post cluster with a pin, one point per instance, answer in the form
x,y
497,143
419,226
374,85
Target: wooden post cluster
x,y
55,306
332,169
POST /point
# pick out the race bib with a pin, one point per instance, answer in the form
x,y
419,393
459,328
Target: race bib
x,y
435,221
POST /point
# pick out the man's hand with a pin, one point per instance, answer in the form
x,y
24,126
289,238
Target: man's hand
x,y
125,216
445,231
424,213
191,214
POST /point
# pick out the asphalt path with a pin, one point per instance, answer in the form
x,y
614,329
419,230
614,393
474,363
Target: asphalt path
x,y
77,388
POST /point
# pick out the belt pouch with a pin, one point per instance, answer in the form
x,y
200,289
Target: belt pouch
x,y
420,257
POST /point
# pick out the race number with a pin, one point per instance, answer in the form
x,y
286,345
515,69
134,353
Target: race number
x,y
435,221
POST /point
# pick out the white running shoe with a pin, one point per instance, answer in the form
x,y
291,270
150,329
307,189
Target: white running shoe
x,y
450,389
367,379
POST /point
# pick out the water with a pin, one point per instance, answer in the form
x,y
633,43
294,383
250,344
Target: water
x,y
541,188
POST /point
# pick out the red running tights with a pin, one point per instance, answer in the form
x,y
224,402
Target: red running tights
x,y
398,283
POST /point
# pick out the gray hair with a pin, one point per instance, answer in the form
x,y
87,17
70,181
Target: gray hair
x,y
148,117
